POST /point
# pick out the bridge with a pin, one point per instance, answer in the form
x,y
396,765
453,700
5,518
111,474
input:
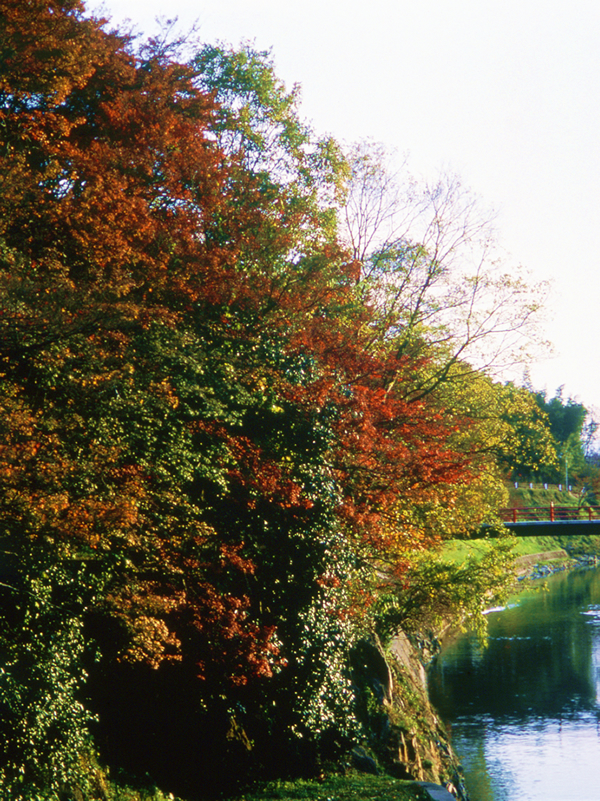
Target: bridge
x,y
541,521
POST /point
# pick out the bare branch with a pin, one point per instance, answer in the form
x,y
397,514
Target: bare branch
x,y
431,266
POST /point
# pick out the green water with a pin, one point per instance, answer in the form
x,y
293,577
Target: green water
x,y
524,712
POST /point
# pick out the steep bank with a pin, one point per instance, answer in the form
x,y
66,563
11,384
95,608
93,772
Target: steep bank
x,y
404,733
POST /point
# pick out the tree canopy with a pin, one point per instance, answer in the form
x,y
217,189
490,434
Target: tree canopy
x,y
213,435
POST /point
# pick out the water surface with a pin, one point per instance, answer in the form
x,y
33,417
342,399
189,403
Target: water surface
x,y
524,712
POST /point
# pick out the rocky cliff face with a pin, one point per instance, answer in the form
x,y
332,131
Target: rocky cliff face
x,y
403,731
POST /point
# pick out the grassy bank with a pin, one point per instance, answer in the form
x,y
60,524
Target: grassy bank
x,y
523,496
458,550
341,788
348,787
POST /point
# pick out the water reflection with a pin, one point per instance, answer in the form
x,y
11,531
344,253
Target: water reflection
x,y
524,713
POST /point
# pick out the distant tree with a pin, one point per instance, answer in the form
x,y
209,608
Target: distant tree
x,y
566,416
566,419
529,449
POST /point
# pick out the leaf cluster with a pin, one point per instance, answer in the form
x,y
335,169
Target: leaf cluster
x,y
435,593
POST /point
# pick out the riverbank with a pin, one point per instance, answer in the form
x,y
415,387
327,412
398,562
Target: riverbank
x,y
349,787
551,553
407,749
537,566
413,731
523,709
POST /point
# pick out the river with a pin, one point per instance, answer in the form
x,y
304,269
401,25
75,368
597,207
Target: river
x,y
523,712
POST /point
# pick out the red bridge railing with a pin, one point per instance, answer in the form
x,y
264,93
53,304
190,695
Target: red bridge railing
x,y
522,514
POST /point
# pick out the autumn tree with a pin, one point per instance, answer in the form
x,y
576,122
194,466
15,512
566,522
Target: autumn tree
x,y
111,240
211,432
442,294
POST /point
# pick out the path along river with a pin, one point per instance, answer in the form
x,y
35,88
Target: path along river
x,y
524,712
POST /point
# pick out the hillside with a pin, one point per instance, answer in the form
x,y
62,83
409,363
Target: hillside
x,y
538,496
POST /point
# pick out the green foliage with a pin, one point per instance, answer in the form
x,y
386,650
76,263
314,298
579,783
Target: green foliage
x,y
43,724
435,592
322,688
258,123
566,419
528,448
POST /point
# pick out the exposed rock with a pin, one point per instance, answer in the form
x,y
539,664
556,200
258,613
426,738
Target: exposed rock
x,y
403,731
523,564
370,665
363,762
439,793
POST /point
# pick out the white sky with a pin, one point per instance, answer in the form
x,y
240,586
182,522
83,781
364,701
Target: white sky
x,y
506,93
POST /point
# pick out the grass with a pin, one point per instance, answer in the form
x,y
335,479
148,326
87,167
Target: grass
x,y
458,551
333,787
340,788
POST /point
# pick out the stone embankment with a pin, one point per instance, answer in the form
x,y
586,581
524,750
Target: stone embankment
x,y
540,565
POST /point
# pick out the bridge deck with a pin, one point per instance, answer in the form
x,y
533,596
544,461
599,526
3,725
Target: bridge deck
x,y
554,528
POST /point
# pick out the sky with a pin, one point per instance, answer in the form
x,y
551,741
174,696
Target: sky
x,y
504,93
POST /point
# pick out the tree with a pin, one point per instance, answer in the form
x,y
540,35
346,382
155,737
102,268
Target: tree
x,y
431,266
528,448
258,123
204,432
109,240
441,591
566,419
